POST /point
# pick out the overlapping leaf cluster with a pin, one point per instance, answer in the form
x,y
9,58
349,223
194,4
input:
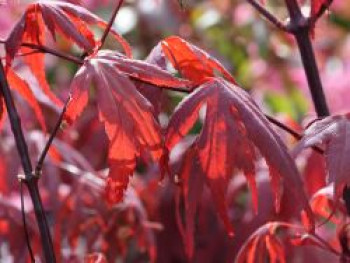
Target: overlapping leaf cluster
x,y
235,134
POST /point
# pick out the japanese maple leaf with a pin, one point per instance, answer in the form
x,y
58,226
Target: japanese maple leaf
x,y
127,116
21,86
263,244
333,134
192,62
233,129
68,19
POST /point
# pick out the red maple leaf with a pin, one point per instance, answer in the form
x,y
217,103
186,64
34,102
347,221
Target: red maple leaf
x,y
21,86
332,133
192,62
128,117
234,127
263,245
70,20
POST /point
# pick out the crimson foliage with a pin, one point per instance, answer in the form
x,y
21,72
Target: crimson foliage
x,y
116,209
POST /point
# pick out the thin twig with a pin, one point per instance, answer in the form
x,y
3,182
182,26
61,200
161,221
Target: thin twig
x,y
30,180
268,15
292,132
110,23
44,49
43,154
23,54
279,124
26,234
56,53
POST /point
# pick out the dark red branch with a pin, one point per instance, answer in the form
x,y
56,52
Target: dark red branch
x,y
30,180
299,26
56,53
292,132
26,233
48,144
268,15
312,73
44,49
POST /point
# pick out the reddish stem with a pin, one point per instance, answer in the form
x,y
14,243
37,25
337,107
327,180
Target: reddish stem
x,y
110,23
30,180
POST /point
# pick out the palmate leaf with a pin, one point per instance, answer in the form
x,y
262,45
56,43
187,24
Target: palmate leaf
x,y
127,116
263,245
70,20
333,134
233,129
192,62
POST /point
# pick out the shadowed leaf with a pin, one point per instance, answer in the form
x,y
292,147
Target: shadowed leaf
x,y
21,86
263,246
233,129
333,134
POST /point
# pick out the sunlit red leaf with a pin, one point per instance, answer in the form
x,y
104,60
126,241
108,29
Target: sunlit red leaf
x,y
233,129
127,116
30,29
68,19
192,62
21,86
263,246
95,258
4,187
332,133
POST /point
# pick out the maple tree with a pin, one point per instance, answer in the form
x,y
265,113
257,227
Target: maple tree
x,y
143,189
